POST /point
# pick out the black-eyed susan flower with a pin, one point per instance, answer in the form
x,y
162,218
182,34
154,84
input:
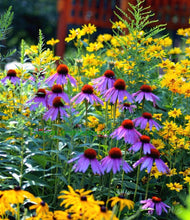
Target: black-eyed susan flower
x,y
17,195
175,186
40,206
123,202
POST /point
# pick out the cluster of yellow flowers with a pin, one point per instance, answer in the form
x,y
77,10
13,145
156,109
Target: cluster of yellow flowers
x,y
79,204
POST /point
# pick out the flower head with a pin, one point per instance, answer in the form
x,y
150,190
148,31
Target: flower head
x,y
40,206
147,161
127,106
57,90
118,92
122,202
105,82
57,109
154,204
126,131
144,143
61,76
114,161
40,98
87,93
12,77
145,92
146,119
86,159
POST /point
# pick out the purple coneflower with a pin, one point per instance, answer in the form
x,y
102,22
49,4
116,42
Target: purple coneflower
x,y
40,98
118,92
145,92
114,161
144,143
127,106
147,162
11,76
87,93
86,159
154,203
105,82
57,109
126,131
57,90
145,119
61,76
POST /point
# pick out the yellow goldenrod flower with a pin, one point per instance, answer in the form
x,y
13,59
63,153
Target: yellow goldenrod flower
x,y
52,42
174,113
175,186
122,202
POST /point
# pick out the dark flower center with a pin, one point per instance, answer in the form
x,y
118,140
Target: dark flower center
x,y
41,93
57,88
87,89
145,139
57,102
119,84
126,104
83,198
17,188
154,153
62,69
109,74
147,115
128,124
115,152
121,196
69,216
103,208
146,88
156,199
11,73
42,203
90,153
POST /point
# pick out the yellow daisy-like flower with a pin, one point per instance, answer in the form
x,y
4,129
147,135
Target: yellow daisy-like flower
x,y
175,50
187,179
94,46
175,186
41,207
186,172
60,215
122,202
100,128
52,42
154,172
89,29
119,25
158,116
17,195
175,113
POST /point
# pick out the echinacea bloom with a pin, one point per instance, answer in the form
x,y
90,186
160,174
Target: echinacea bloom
x,y
144,120
144,143
87,93
12,77
147,162
105,82
154,204
118,92
86,159
40,206
57,109
114,162
126,131
145,92
127,106
57,90
122,202
61,76
40,98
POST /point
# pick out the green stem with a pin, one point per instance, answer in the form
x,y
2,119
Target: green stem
x,y
123,170
147,186
138,174
86,118
111,175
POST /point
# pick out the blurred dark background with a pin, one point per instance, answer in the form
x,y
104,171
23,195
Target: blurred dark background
x,y
29,17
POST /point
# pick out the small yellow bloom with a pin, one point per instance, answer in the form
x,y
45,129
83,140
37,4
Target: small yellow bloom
x,y
158,116
175,113
187,179
89,29
175,186
52,42
40,206
122,202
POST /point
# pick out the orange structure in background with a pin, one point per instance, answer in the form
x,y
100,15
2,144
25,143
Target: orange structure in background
x,y
175,13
